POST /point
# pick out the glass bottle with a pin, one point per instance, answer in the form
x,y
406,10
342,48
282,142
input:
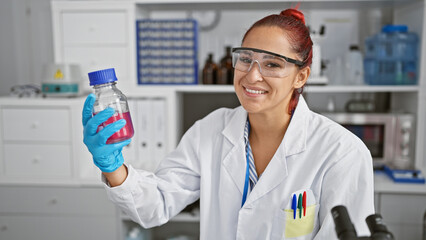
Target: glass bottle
x,y
210,71
108,95
354,66
226,71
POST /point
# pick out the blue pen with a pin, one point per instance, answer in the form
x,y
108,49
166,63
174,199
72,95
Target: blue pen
x,y
294,205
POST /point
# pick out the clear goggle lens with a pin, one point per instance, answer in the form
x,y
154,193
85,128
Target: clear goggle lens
x,y
269,65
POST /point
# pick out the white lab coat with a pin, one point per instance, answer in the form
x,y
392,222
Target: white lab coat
x,y
316,155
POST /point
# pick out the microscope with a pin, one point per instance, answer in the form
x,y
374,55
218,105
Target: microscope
x,y
345,230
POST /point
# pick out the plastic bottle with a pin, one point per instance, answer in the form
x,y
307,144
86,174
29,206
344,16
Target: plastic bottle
x,y
392,57
210,71
354,66
108,95
226,71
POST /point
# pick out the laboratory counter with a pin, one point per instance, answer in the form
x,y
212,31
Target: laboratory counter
x,y
384,184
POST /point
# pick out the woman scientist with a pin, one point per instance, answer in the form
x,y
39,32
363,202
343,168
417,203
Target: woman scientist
x,y
269,169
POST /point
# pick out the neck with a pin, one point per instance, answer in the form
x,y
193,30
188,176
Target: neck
x,y
268,125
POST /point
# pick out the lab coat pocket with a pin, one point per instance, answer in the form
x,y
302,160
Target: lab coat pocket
x,y
302,225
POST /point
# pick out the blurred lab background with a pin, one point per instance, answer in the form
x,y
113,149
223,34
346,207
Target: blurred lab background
x,y
173,61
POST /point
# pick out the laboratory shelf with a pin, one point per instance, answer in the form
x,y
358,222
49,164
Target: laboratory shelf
x,y
383,184
360,88
156,89
207,89
322,2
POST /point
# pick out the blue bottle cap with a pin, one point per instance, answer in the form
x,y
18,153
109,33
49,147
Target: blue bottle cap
x,y
102,76
394,28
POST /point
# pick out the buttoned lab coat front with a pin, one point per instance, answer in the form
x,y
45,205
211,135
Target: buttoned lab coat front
x,y
316,156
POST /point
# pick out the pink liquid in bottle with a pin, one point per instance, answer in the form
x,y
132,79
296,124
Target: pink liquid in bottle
x,y
123,134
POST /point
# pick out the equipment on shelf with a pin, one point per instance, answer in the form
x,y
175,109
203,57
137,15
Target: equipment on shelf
x,y
391,57
210,71
167,51
62,80
317,77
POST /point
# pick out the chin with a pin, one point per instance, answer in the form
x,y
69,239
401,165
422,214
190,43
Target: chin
x,y
252,108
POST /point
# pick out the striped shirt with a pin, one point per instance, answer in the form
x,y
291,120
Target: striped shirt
x,y
252,169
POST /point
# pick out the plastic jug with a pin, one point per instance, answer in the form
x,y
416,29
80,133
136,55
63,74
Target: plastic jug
x,y
391,57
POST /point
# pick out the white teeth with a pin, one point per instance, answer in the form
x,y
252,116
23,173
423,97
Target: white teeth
x,y
255,91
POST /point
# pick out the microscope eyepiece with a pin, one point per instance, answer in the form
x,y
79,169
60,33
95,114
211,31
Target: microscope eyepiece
x,y
377,227
344,227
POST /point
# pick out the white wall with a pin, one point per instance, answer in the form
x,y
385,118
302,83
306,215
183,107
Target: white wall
x,y
7,46
26,43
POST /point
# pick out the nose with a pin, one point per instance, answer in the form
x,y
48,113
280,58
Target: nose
x,y
253,73
251,65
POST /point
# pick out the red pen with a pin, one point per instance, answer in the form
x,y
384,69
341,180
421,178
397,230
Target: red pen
x,y
304,203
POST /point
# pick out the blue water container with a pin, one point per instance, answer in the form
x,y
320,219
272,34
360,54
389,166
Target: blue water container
x,y
391,57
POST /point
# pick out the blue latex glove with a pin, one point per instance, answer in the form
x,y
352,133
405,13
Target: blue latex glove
x,y
107,157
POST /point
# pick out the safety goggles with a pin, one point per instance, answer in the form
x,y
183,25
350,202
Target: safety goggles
x,y
270,64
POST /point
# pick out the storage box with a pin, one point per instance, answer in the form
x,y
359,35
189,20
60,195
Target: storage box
x,y
167,51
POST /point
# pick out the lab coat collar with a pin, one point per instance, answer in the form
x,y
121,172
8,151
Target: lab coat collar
x,y
295,136
234,159
233,154
234,130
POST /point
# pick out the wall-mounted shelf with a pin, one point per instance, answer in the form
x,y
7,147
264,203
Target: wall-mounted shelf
x,y
360,88
155,89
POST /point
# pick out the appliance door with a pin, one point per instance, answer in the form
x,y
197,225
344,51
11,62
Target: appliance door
x,y
375,130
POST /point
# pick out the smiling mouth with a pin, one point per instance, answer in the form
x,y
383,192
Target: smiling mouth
x,y
254,91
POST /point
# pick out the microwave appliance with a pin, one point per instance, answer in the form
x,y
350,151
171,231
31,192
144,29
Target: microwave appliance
x,y
389,137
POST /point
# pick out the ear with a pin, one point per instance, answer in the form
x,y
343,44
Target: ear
x,y
302,77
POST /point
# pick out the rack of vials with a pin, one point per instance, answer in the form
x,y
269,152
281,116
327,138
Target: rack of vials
x,y
167,51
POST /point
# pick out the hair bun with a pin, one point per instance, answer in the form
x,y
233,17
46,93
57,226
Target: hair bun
x,y
291,12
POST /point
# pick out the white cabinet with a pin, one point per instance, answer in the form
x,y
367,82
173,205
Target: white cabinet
x,y
37,160
41,213
49,186
403,214
56,227
35,124
90,28
96,35
41,141
149,144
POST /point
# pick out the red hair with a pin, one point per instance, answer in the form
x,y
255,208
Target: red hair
x,y
292,21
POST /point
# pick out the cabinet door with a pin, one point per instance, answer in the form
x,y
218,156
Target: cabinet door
x,y
130,152
29,124
37,160
58,201
99,57
44,227
94,27
403,214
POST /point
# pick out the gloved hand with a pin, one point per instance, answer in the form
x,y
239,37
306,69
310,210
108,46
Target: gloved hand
x,y
107,157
